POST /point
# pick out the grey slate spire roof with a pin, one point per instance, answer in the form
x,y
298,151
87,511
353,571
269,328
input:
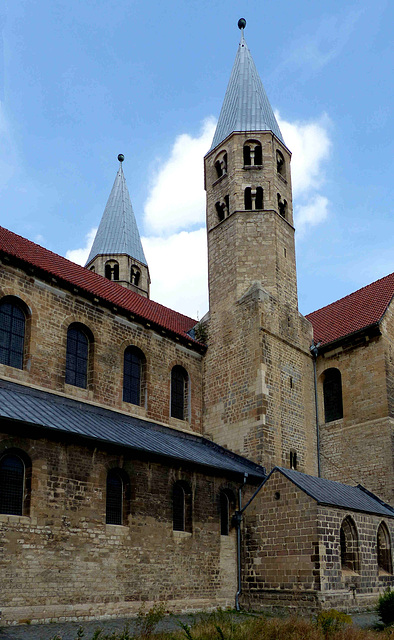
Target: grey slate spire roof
x,y
246,106
118,231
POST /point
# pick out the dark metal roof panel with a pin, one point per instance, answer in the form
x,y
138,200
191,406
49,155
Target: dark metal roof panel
x,y
70,416
337,494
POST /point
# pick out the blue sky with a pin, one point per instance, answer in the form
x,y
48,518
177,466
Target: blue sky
x,y
82,82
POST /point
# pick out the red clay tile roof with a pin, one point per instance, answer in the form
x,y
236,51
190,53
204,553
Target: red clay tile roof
x,y
354,312
70,273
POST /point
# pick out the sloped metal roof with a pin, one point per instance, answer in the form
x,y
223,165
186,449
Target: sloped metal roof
x,y
337,494
246,106
118,231
47,410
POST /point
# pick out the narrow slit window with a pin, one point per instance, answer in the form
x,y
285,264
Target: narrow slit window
x,y
179,389
114,499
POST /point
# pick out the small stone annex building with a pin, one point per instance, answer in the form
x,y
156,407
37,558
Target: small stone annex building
x,y
148,457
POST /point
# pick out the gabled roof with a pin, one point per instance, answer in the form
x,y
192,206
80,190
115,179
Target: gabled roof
x,y
352,313
64,415
337,494
68,273
246,106
118,231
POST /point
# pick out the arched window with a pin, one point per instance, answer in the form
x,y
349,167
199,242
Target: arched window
x,y
349,545
280,163
135,275
222,208
15,474
332,392
282,206
293,459
77,356
252,153
227,505
133,375
179,393
117,497
112,270
384,549
181,507
12,333
221,164
248,198
259,198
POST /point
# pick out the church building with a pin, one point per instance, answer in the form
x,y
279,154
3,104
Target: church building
x,y
146,457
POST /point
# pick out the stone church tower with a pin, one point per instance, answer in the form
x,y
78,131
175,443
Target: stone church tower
x,y
117,251
259,394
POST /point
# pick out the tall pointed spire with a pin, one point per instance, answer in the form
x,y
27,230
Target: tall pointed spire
x,y
246,106
118,231
117,245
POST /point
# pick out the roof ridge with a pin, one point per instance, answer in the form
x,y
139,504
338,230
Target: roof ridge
x,y
349,295
93,283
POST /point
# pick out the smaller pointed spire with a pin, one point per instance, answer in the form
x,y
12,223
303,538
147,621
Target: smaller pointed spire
x,y
245,106
118,231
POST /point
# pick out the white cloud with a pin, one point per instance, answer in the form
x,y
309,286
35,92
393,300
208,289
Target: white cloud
x,y
176,252
178,270
310,146
311,214
80,256
177,199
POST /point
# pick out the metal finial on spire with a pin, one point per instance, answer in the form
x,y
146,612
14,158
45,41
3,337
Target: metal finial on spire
x,y
241,23
121,157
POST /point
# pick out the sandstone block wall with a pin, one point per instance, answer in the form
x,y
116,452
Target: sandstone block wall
x,y
63,560
53,309
358,447
292,552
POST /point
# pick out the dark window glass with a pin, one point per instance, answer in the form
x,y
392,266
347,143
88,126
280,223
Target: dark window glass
x,y
178,507
114,506
132,376
181,507
349,545
12,478
12,334
384,549
332,391
224,514
77,357
178,392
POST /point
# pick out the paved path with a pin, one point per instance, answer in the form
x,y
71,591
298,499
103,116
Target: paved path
x,y
68,630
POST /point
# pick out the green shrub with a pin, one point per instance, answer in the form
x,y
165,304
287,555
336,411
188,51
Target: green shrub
x,y
385,607
332,620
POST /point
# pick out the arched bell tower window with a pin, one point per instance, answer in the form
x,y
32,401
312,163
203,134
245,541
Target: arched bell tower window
x,y
112,270
135,275
222,208
280,163
253,154
221,164
253,198
179,393
12,332
282,206
384,549
332,392
349,545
